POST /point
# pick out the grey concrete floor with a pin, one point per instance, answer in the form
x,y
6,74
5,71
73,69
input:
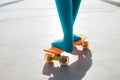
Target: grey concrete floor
x,y
29,26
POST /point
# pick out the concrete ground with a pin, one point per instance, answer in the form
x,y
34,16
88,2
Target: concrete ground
x,y
29,26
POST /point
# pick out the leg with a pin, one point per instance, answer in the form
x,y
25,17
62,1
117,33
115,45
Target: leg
x,y
64,8
76,5
67,10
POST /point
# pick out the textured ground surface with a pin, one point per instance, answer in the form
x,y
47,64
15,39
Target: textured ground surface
x,y
29,26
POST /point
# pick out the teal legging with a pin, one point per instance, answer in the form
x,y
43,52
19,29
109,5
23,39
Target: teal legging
x,y
67,10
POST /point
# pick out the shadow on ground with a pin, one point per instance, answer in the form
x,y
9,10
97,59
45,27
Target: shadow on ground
x,y
75,71
112,2
9,3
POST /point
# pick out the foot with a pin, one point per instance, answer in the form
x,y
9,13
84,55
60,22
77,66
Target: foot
x,y
76,37
61,44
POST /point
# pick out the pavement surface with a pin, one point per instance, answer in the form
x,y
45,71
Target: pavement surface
x,y
29,26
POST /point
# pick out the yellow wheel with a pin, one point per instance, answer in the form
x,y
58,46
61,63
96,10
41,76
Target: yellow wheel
x,y
48,58
85,45
64,60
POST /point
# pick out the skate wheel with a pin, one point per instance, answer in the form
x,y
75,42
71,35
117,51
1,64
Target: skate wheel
x,y
64,60
48,58
85,45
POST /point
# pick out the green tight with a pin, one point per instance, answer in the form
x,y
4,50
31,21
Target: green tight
x,y
67,10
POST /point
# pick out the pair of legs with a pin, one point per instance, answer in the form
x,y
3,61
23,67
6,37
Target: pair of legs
x,y
67,10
